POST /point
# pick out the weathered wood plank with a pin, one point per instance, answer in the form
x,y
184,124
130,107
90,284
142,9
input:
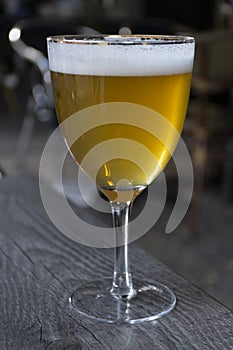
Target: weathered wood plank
x,y
39,267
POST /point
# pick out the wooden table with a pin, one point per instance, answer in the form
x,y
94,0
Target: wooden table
x,y
39,267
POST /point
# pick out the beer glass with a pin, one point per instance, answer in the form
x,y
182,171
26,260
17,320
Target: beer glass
x,y
134,91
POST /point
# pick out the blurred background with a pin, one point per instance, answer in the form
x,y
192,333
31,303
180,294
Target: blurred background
x,y
201,248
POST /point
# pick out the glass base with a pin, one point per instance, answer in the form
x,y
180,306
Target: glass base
x,y
94,300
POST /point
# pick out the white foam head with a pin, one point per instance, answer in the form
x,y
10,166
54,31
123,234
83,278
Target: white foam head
x,y
72,57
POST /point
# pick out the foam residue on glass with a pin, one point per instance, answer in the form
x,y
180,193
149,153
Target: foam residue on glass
x,y
121,56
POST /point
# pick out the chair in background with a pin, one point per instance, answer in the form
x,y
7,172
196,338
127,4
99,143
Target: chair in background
x,y
28,40
211,111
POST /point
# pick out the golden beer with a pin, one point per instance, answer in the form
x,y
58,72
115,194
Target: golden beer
x,y
142,154
167,95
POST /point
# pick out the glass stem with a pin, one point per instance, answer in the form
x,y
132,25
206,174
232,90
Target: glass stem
x,y
122,286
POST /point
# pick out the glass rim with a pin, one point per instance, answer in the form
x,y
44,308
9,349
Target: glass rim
x,y
110,39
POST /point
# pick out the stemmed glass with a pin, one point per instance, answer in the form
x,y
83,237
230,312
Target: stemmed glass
x,y
134,91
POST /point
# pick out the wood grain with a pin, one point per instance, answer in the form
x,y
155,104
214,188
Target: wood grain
x,y
39,267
